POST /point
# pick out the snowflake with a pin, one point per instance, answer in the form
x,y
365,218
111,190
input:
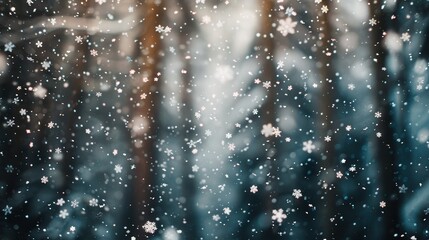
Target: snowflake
x,y
276,132
44,179
93,202
324,9
53,21
46,64
9,168
339,174
159,29
7,210
118,168
40,92
195,168
280,64
60,202
403,189
227,210
39,44
216,217
168,151
231,146
78,39
377,114
267,130
74,204
10,123
351,86
328,138
192,143
286,26
72,229
22,112
372,22
382,204
308,146
253,189
57,150
266,84
290,12
63,214
100,1
93,52
278,215
29,2
405,37
51,124
8,47
297,193
149,227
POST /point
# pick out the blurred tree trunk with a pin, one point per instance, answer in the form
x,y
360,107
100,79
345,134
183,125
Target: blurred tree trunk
x,y
385,150
189,185
327,127
144,122
268,110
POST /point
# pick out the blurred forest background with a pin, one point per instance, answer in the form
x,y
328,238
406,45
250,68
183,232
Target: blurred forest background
x,y
214,119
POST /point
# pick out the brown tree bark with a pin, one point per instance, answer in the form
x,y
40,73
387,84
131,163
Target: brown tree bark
x,y
326,120
268,109
143,123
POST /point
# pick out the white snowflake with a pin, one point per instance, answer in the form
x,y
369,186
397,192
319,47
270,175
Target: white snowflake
x,y
405,37
74,203
149,227
372,22
324,9
46,64
297,193
278,215
253,189
60,202
267,130
276,132
118,168
63,214
40,92
44,179
216,217
286,26
308,146
227,210
93,202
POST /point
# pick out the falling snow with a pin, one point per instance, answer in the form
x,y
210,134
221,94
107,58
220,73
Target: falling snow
x,y
202,119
